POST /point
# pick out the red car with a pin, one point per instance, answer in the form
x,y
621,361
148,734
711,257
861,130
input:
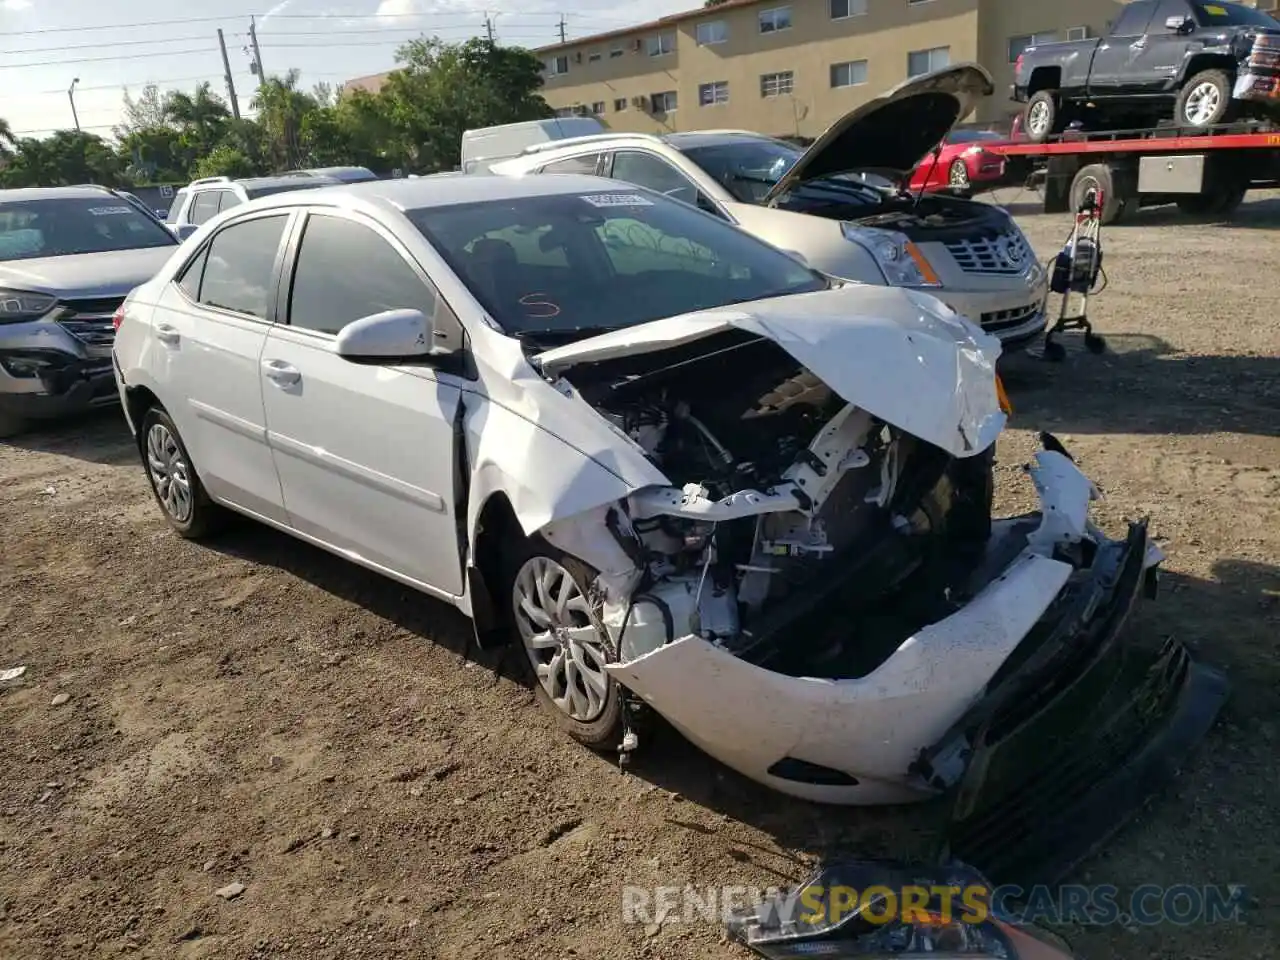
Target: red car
x,y
964,165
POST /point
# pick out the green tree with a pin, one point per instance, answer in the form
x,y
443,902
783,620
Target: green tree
x,y
224,160
201,118
282,112
65,158
442,89
7,140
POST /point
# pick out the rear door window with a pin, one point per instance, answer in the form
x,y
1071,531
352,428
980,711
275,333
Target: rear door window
x,y
175,208
240,269
204,206
584,164
655,173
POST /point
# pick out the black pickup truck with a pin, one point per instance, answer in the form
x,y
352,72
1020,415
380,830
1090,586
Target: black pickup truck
x,y
1210,60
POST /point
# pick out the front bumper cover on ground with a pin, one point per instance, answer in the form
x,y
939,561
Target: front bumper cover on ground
x,y
1077,731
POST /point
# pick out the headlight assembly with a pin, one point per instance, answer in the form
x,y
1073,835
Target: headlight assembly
x,y
19,305
901,261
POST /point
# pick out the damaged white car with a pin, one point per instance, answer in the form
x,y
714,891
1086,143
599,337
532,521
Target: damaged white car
x,y
684,471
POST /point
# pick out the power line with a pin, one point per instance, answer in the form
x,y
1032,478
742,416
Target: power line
x,y
186,21
209,77
134,56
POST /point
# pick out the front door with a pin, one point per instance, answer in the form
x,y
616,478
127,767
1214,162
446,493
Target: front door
x,y
210,337
1115,60
365,454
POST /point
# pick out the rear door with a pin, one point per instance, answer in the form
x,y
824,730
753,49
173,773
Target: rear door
x,y
365,453
204,206
1115,63
210,330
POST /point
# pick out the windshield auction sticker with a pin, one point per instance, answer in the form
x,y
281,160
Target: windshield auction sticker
x,y
617,200
109,211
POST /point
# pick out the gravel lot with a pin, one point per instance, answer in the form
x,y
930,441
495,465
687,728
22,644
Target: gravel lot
x,y
256,711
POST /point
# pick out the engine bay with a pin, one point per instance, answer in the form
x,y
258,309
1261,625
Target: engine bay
x,y
930,217
788,507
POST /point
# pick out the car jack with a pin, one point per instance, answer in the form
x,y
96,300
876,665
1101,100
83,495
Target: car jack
x,y
1076,271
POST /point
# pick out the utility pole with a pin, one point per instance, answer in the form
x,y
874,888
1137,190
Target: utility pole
x,y
562,38
231,84
71,95
257,53
488,28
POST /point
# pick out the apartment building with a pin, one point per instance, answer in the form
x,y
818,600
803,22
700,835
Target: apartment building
x,y
792,67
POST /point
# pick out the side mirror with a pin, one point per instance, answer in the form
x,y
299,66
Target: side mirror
x,y
393,336
184,230
1179,24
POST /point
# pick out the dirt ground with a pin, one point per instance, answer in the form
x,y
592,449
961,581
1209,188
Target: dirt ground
x,y
256,711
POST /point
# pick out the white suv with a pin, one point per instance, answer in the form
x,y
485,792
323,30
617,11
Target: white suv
x,y
203,199
842,204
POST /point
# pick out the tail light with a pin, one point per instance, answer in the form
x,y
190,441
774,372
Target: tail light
x,y
1017,65
117,317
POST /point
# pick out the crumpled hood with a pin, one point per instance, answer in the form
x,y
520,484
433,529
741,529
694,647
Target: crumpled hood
x,y
893,132
86,275
901,355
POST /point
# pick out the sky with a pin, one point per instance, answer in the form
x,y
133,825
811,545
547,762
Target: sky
x,y
109,46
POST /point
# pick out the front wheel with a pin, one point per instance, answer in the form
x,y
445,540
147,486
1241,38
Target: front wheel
x,y
958,177
565,643
1041,119
174,481
1205,100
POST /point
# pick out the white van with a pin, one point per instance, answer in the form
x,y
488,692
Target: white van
x,y
486,145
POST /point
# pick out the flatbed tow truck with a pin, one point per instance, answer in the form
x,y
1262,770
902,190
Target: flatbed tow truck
x,y
1206,172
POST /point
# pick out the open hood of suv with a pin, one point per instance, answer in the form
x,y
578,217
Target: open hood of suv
x,y
893,132
901,355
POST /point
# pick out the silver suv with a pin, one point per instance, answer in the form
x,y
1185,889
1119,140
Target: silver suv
x,y
205,198
68,258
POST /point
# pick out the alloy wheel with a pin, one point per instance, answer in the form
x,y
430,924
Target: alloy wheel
x,y
169,473
959,174
1201,104
1038,118
560,638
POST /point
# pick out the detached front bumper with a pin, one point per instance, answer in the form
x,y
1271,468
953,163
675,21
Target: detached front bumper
x,y
1077,730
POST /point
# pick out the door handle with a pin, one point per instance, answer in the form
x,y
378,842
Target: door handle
x,y
281,373
167,334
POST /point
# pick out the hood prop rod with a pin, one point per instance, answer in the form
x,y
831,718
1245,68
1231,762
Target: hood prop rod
x,y
933,165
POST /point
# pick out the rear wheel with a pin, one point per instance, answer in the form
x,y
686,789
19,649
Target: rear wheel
x,y
566,646
1041,119
1205,100
174,481
10,426
1099,177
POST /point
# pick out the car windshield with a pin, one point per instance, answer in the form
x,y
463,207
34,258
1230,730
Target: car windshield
x,y
554,269
1232,15
65,226
972,136
746,167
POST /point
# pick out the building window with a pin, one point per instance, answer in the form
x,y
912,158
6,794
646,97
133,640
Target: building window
x,y
912,3
592,57
620,104
664,102
662,44
849,74
615,52
597,108
1077,33
926,61
710,94
1017,45
842,9
777,84
775,19
557,66
712,31
566,111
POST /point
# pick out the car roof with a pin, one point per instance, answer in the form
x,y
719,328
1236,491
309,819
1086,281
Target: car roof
x,y
257,183
442,190
708,138
51,193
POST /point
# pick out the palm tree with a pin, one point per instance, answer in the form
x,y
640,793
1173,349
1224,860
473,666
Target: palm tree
x,y
7,139
281,107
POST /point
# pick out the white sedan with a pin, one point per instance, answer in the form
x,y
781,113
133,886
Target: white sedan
x,y
684,471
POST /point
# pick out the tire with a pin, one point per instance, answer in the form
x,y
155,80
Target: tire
x,y
1221,202
1096,176
1205,100
174,482
592,719
1042,117
10,426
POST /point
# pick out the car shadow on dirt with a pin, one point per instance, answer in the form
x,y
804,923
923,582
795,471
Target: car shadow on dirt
x,y
1144,385
98,436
